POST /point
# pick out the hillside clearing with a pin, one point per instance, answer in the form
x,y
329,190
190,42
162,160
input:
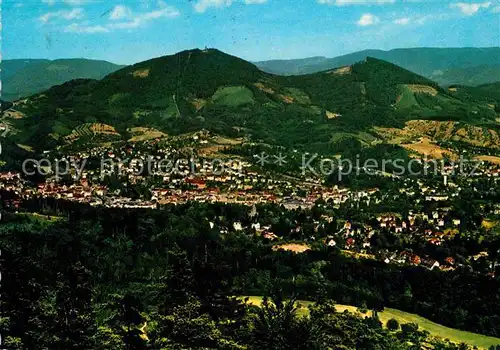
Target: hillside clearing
x,y
220,140
13,114
292,247
141,73
298,96
233,96
423,89
491,159
440,131
427,148
341,70
143,134
42,217
262,87
406,99
217,144
331,115
434,329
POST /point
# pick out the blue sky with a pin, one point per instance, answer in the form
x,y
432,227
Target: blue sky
x,y
130,31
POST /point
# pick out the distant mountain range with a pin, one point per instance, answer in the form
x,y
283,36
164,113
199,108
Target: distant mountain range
x,y
208,89
21,78
466,66
470,76
446,66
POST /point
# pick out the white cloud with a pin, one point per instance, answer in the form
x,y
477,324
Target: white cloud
x,y
202,5
356,2
420,20
402,21
470,9
76,13
166,12
77,2
67,2
121,17
120,12
79,28
137,20
135,23
367,20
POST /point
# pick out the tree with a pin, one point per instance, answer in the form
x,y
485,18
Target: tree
x,y
178,284
276,326
189,327
75,325
393,324
125,320
409,328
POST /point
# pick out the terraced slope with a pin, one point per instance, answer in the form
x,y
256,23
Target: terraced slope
x,y
442,131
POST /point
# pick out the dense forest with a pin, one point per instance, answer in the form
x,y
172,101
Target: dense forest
x,y
167,279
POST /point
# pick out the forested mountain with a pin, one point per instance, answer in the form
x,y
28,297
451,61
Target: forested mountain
x,y
472,76
11,67
489,93
21,78
209,89
469,66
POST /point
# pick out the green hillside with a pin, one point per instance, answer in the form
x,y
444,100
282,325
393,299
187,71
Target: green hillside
x,y
209,89
22,78
487,93
434,329
473,76
11,155
468,66
296,66
11,67
4,105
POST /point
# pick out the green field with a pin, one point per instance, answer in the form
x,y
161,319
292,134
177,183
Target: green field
x,y
42,217
407,98
402,317
298,95
233,96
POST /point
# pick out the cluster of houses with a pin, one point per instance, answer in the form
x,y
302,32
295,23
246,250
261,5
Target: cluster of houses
x,y
79,192
11,181
352,238
212,195
173,177
409,258
436,225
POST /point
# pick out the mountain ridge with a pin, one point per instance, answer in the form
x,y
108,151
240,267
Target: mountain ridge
x,y
208,89
423,61
22,78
